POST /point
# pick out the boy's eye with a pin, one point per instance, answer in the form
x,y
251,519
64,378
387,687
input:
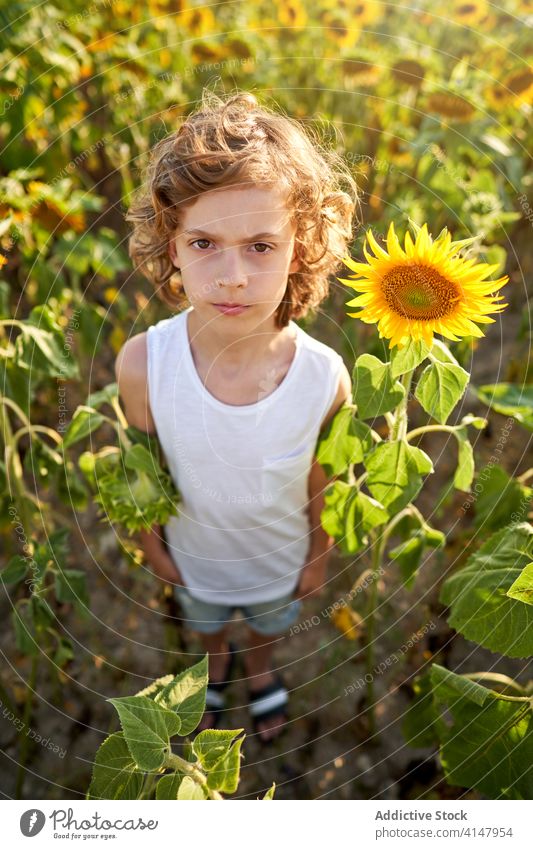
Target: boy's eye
x,y
201,246
262,245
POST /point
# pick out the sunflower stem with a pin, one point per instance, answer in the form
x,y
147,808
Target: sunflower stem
x,y
399,426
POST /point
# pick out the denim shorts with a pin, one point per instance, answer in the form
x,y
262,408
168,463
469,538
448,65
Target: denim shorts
x,y
265,617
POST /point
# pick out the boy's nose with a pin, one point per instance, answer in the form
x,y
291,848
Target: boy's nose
x,y
232,273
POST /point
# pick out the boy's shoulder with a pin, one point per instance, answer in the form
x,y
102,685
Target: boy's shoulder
x,y
131,371
318,348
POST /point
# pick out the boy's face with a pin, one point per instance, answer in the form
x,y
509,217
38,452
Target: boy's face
x,y
235,249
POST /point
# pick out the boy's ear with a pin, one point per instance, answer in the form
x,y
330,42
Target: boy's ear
x,y
172,252
295,263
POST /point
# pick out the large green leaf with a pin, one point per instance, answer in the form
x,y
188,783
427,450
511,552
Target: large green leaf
x,y
349,515
509,399
213,745
167,787
395,471
408,357
346,441
409,553
440,387
486,742
189,790
71,585
480,608
418,724
84,421
185,695
500,499
115,773
375,390
147,727
225,775
41,346
522,589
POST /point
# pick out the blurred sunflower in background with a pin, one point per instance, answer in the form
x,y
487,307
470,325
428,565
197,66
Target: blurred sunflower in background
x,y
519,85
469,12
422,288
451,106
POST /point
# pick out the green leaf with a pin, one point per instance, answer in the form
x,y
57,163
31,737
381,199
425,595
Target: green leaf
x,y
146,727
522,588
418,725
212,746
395,472
375,391
115,774
441,352
471,690
71,586
500,498
225,776
440,387
464,473
139,458
409,555
167,787
349,514
41,346
408,358
480,608
24,626
156,686
103,396
270,792
509,399
15,570
84,421
185,695
486,744
346,441
190,790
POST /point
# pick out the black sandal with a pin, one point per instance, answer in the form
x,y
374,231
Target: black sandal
x,y
215,702
269,702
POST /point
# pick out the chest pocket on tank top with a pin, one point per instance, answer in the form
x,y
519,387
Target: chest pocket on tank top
x,y
284,479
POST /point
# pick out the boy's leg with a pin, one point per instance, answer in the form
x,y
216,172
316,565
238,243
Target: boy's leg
x,y
217,646
258,665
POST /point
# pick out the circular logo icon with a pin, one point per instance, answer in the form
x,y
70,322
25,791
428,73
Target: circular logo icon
x,y
32,822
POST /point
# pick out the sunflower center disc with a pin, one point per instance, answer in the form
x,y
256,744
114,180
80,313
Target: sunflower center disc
x,y
419,292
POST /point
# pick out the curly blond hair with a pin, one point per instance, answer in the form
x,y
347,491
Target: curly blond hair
x,y
233,141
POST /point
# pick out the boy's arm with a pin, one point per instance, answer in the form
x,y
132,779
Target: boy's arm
x,y
313,574
131,375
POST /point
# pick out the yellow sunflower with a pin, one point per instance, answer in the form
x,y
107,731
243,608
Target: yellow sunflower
x,y
409,72
423,288
360,13
469,12
519,85
292,14
339,29
451,106
525,7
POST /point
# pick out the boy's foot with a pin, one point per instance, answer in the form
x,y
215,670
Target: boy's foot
x,y
268,706
221,666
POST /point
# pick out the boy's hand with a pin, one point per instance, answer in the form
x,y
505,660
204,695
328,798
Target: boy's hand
x,y
313,577
158,557
165,569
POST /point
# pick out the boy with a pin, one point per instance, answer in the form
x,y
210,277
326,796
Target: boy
x,y
238,201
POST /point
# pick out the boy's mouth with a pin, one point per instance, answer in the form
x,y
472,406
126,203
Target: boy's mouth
x,y
231,309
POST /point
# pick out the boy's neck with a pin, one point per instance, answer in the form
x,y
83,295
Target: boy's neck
x,y
226,347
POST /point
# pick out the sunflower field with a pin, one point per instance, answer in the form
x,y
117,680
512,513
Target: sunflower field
x,y
410,676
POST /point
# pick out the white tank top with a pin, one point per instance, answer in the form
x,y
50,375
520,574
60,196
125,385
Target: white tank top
x,y
242,533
